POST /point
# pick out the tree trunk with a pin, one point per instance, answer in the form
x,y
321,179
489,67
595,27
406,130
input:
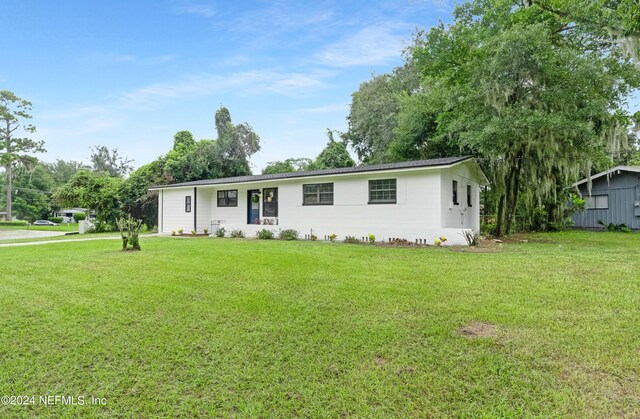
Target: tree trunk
x,y
9,186
500,218
513,205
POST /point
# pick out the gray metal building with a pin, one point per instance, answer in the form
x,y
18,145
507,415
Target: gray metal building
x,y
614,198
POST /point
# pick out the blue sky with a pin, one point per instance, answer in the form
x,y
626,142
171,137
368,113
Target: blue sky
x,y
130,74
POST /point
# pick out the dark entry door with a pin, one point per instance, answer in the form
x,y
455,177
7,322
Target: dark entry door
x,y
253,206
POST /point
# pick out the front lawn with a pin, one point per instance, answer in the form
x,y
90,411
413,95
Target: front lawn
x,y
60,227
232,327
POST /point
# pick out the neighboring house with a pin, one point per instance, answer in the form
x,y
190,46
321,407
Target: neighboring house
x,y
614,198
417,200
67,214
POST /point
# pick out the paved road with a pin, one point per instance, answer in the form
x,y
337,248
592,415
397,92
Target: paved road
x,y
27,234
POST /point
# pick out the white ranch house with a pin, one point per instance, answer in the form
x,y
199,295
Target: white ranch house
x,y
417,200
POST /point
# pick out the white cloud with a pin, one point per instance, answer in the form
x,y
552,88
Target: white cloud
x,y
247,82
372,45
203,10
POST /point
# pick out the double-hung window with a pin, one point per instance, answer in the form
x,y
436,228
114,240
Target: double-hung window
x,y
228,198
317,194
382,191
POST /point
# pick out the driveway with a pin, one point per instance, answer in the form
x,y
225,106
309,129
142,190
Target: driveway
x,y
27,234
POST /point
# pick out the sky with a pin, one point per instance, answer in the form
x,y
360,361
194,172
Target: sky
x,y
130,74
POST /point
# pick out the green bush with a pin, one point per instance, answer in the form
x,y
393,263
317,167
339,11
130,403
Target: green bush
x,y
13,223
102,227
237,234
57,220
372,238
289,234
265,234
220,232
79,216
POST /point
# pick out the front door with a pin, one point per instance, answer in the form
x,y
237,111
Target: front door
x,y
253,206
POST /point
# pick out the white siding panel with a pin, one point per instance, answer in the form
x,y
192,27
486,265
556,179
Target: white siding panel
x,y
174,215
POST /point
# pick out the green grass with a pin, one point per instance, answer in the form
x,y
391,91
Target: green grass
x,y
61,227
225,327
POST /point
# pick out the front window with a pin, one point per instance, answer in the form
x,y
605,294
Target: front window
x,y
382,191
270,202
317,194
228,198
597,202
187,204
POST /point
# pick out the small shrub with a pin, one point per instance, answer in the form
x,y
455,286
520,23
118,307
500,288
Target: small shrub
x,y
193,232
129,231
471,237
614,227
264,234
437,242
79,216
442,239
102,227
206,231
173,232
180,231
372,238
237,234
288,234
332,237
314,237
57,220
144,228
220,232
352,240
154,229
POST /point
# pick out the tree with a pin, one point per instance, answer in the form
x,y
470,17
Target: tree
x,y
63,170
538,94
96,191
333,156
110,161
32,185
287,166
13,148
374,111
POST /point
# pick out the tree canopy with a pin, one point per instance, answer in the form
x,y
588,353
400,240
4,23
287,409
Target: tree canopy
x,y
14,147
536,89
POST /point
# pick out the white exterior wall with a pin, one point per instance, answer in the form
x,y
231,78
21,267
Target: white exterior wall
x,y
206,201
172,213
422,209
461,216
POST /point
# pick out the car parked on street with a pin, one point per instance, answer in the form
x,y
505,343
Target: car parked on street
x,y
44,223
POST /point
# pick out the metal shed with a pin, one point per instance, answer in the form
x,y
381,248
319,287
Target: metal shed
x,y
614,198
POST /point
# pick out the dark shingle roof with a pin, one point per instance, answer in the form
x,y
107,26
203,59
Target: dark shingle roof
x,y
358,169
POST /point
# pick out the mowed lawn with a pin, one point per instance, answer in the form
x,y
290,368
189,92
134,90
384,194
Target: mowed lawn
x,y
232,327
